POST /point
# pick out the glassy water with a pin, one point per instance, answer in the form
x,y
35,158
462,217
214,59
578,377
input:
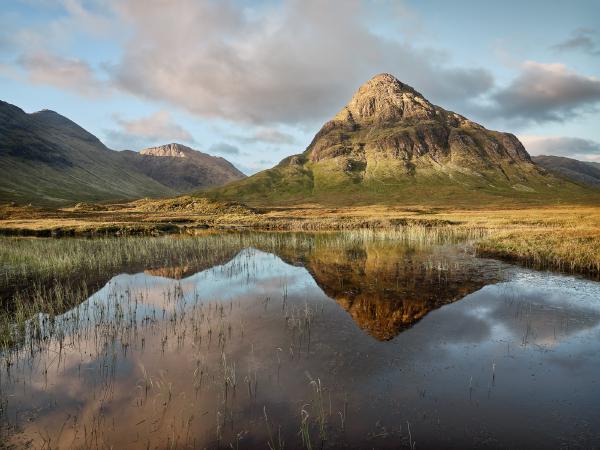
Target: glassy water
x,y
369,345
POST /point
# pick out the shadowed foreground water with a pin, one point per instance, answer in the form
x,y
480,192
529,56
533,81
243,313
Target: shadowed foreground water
x,y
369,347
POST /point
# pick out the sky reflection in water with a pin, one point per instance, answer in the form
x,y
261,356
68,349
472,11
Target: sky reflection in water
x,y
359,344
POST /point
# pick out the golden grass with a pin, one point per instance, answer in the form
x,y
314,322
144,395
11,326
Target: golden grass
x,y
559,237
572,250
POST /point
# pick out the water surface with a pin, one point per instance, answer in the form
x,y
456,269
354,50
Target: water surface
x,y
364,345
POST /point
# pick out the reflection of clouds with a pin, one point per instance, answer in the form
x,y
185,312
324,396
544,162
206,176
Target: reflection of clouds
x,y
108,391
549,308
456,326
439,354
539,313
266,274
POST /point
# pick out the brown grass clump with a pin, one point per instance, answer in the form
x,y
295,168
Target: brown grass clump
x,y
188,204
565,249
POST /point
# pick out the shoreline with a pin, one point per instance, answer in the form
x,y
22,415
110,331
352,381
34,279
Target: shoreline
x,y
564,238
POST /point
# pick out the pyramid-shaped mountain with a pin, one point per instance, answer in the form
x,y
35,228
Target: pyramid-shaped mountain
x,y
390,144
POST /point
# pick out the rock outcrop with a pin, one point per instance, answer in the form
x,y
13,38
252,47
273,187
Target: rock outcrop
x,y
169,150
387,119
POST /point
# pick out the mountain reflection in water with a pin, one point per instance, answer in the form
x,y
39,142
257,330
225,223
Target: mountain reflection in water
x,y
385,287
256,348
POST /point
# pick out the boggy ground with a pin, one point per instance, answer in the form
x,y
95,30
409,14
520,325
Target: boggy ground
x,y
562,237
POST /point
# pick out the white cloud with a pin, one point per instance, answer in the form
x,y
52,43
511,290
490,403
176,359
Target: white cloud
x,y
156,129
290,62
65,73
295,62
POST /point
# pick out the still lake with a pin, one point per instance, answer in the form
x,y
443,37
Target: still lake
x,y
330,343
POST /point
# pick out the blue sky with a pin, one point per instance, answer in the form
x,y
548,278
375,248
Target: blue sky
x,y
253,81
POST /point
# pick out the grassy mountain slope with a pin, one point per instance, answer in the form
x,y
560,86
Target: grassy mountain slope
x,y
583,172
390,145
47,159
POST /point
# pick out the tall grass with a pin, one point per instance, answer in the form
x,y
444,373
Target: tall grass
x,y
53,275
573,252
26,260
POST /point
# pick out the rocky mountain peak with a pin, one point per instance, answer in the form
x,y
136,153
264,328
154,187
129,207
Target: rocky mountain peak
x,y
172,150
383,99
389,120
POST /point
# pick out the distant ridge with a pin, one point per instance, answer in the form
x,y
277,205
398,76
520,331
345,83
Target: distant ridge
x,y
583,172
183,168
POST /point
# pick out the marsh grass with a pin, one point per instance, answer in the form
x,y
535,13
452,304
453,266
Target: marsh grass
x,y
522,234
578,251
27,260
51,276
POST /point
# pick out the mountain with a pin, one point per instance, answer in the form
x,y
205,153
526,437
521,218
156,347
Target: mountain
x,y
390,144
587,173
182,168
47,159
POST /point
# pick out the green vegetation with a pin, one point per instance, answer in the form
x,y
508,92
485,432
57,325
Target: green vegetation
x,y
46,159
383,182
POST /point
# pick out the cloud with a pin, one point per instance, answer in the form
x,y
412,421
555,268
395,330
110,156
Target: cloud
x,y
86,15
224,149
545,92
582,39
273,136
572,147
156,126
65,73
266,135
270,64
291,62
156,129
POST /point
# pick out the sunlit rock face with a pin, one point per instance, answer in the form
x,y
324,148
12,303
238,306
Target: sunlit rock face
x,y
169,150
387,119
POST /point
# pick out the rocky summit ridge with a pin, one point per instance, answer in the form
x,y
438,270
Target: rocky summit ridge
x,y
183,168
389,119
172,150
